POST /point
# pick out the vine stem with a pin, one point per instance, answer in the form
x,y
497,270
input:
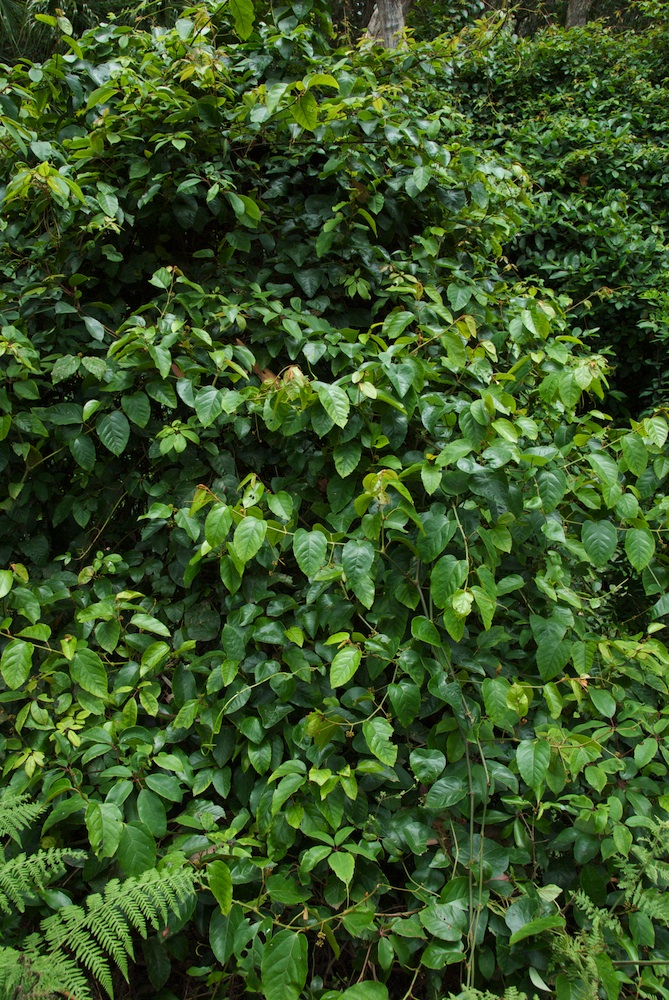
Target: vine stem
x,y
409,992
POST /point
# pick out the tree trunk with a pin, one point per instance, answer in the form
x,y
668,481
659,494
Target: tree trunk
x,y
388,20
577,13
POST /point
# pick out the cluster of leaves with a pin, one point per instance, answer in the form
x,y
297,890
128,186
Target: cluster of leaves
x,y
315,545
585,113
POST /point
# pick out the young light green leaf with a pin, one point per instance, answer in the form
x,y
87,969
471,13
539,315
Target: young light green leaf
x,y
344,665
305,111
217,524
538,926
343,865
16,662
248,537
219,881
150,624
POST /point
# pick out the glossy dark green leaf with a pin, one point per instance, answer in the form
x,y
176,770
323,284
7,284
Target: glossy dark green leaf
x,y
284,966
113,431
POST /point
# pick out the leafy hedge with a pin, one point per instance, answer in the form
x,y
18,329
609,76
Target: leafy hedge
x,y
327,575
585,113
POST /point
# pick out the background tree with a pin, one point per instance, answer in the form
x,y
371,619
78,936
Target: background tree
x,y
577,13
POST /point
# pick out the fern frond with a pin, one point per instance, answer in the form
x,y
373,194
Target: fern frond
x,y
22,876
32,976
68,930
155,895
17,812
471,993
103,926
655,905
113,934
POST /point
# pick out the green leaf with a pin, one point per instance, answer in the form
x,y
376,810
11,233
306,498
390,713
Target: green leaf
x,y
552,487
622,838
446,792
369,990
108,635
396,323
151,812
347,457
552,657
357,559
344,665
452,452
538,926
83,451
377,733
305,111
6,582
458,296
343,865
208,405
599,540
639,546
427,765
284,966
661,607
657,430
425,630
243,17
486,605
219,881
495,698
533,758
150,624
136,850
105,827
137,408
607,974
635,453
448,575
605,467
421,177
89,673
281,504
405,697
431,478
446,921
217,524
248,537
16,662
113,430
334,401
310,549
645,751
165,785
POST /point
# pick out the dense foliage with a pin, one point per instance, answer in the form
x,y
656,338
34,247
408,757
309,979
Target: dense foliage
x,y
587,120
329,585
